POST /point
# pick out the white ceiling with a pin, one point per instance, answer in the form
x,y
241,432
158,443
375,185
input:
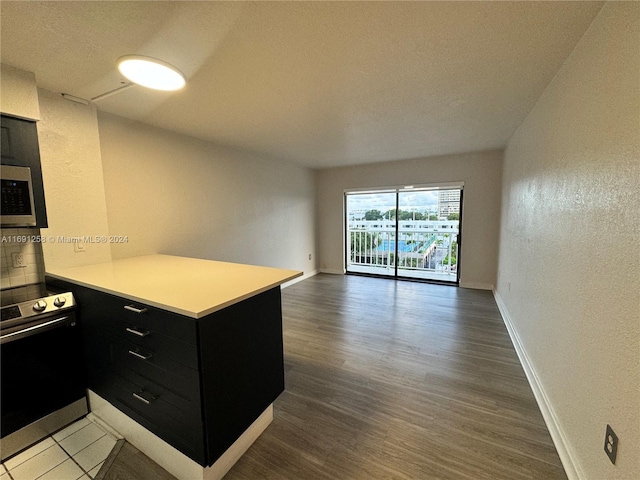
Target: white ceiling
x,y
319,83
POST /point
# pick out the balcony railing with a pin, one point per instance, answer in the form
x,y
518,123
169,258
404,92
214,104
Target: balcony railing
x,y
425,249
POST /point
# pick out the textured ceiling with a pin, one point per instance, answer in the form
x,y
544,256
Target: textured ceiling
x,y
318,83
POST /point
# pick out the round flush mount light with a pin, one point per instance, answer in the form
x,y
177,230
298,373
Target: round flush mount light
x,y
151,72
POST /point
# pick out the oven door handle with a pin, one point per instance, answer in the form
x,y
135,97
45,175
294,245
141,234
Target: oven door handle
x,y
35,329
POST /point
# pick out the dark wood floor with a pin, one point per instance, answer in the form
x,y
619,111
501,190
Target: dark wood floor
x,y
399,380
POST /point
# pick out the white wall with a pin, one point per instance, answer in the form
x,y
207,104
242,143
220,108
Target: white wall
x,y
169,193
481,174
73,181
569,277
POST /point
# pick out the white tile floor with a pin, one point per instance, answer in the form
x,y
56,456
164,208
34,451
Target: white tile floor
x,y
74,453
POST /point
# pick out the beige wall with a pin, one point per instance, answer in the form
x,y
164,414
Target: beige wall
x,y
169,193
481,174
71,173
73,182
19,98
19,94
569,276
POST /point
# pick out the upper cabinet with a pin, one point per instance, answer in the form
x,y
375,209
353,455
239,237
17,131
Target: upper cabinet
x,y
20,147
19,93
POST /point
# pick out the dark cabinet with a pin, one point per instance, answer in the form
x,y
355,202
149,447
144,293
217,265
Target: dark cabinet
x,y
20,147
196,383
241,356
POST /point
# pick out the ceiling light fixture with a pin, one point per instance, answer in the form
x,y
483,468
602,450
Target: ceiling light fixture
x,y
151,72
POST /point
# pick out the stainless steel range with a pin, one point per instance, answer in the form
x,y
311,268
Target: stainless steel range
x,y
42,373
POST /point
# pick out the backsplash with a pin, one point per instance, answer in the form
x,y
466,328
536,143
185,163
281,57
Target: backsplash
x,y
21,241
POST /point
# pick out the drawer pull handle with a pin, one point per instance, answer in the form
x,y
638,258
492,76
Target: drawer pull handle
x,y
133,309
143,356
142,399
140,333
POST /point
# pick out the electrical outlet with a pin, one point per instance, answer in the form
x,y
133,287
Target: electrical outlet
x,y
18,260
309,256
611,444
79,247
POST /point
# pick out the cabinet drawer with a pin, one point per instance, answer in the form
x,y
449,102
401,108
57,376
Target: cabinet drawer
x,y
154,402
105,311
182,383
151,319
163,351
148,406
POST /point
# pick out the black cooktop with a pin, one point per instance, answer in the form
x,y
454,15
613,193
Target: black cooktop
x,y
34,291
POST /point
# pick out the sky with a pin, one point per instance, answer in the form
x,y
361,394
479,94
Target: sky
x,y
416,200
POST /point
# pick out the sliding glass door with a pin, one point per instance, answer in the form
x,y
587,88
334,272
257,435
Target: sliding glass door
x,y
410,233
371,233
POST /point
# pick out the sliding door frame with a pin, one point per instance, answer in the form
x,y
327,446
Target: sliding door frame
x,y
397,190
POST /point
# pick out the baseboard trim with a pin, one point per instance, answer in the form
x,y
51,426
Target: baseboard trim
x,y
331,271
476,285
560,440
173,461
229,458
104,426
299,279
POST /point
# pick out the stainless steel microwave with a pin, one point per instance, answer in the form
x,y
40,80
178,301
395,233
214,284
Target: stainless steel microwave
x,y
17,208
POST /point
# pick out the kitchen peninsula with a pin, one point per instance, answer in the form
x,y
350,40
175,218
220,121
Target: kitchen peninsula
x,y
184,356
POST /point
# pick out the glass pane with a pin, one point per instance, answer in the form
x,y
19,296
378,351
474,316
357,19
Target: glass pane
x,y
428,226
371,231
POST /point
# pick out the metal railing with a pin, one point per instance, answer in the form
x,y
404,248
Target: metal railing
x,y
423,245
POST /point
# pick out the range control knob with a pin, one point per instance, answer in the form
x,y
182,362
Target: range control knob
x,y
59,301
40,305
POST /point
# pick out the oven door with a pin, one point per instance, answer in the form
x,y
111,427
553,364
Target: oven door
x,y
42,373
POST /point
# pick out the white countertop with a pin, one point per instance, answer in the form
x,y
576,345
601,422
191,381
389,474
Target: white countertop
x,y
187,286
